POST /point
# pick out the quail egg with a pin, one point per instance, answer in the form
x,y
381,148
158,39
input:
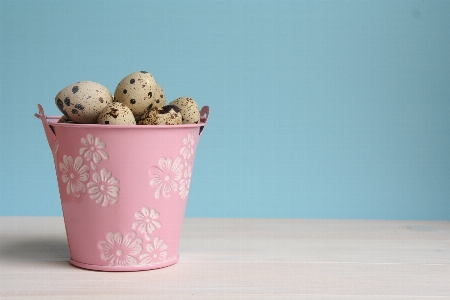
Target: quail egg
x,y
137,92
159,97
116,114
189,109
83,101
64,119
168,115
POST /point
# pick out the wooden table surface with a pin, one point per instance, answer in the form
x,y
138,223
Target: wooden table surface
x,y
242,259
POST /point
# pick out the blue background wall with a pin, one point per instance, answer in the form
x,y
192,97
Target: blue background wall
x,y
319,109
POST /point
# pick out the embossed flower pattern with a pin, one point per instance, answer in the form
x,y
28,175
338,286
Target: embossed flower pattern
x,y
119,250
188,149
74,174
104,188
185,182
166,175
93,150
156,252
147,221
169,176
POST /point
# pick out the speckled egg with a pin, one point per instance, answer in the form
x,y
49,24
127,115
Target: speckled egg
x,y
159,97
189,109
168,115
116,114
159,100
64,119
83,101
137,92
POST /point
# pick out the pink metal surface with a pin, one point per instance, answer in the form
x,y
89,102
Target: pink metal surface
x,y
123,190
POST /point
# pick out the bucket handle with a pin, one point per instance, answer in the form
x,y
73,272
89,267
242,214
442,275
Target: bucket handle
x,y
51,137
204,114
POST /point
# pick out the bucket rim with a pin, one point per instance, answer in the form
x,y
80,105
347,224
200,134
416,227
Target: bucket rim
x,y
53,121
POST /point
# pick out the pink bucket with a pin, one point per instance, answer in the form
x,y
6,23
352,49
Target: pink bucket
x,y
123,190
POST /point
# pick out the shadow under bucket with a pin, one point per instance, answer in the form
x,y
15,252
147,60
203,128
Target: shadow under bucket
x,y
123,190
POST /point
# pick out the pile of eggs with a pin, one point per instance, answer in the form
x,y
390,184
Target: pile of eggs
x,y
138,99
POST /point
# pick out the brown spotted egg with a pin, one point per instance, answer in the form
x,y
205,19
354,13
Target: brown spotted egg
x,y
137,92
159,100
83,101
64,119
168,115
189,109
159,97
116,113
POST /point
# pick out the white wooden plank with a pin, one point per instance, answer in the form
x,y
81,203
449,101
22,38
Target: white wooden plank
x,y
243,259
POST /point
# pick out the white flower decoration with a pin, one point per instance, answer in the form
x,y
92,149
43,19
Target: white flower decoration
x,y
93,151
104,188
186,181
165,176
120,251
74,174
147,221
156,252
188,149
